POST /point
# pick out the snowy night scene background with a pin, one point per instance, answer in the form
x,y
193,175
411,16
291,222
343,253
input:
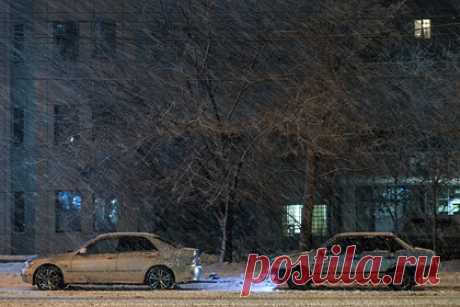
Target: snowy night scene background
x,y
230,126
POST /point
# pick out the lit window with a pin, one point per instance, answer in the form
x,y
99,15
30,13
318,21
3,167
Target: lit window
x,y
68,208
105,214
449,201
422,28
319,223
293,219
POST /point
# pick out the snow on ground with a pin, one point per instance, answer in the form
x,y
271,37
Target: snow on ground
x,y
224,292
204,298
11,267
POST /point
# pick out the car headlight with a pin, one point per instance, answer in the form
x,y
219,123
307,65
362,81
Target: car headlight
x,y
29,261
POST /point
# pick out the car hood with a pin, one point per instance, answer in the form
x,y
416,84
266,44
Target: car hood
x,y
51,257
423,251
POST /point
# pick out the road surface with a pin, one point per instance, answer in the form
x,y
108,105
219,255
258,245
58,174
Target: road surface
x,y
226,293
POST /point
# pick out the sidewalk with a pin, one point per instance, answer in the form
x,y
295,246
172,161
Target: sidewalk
x,y
13,258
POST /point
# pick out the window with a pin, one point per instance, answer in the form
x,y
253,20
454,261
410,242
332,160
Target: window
x,y
105,214
19,211
105,38
66,39
18,43
68,208
66,124
319,222
449,201
103,246
422,28
293,219
18,125
135,244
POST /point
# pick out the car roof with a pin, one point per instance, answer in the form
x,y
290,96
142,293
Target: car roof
x,y
364,234
122,234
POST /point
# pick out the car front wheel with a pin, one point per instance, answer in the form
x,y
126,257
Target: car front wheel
x,y
160,278
49,277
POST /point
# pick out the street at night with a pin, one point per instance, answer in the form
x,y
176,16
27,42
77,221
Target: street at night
x,y
229,153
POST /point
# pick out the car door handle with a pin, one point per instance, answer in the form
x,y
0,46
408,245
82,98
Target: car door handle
x,y
110,257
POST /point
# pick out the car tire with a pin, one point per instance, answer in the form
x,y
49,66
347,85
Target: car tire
x,y
49,277
407,283
292,285
160,277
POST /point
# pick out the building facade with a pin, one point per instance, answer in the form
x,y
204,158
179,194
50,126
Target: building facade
x,y
59,60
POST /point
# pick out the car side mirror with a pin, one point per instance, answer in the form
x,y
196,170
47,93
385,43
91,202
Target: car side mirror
x,y
82,251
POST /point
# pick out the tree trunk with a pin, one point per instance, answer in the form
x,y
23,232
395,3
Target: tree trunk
x,y
226,249
306,242
434,236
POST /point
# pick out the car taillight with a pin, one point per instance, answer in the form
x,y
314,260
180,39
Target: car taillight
x,y
197,268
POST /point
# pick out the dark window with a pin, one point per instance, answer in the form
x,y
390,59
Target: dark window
x,y
105,39
66,39
103,246
135,244
66,124
18,125
68,208
19,212
18,43
103,118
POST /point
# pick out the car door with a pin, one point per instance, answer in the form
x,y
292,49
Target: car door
x,y
98,263
376,246
343,242
136,255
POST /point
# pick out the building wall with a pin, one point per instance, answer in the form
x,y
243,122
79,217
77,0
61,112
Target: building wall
x,y
38,167
5,204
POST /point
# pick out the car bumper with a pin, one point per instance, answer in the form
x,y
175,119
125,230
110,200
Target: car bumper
x,y
26,276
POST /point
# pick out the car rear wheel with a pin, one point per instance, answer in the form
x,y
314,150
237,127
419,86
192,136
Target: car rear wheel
x,y
49,277
408,281
292,285
160,278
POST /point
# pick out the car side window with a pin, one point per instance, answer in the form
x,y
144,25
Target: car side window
x,y
393,244
374,244
135,244
344,243
103,246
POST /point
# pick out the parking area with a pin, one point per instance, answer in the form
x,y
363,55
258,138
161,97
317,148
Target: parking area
x,y
223,293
